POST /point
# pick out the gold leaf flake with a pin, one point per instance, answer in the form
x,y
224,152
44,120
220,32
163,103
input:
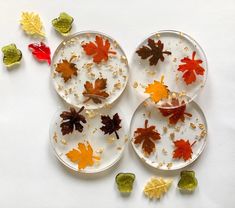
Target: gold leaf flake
x,y
55,137
192,125
135,84
91,113
165,129
172,136
63,141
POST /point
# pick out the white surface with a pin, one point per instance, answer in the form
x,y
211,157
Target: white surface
x,y
31,176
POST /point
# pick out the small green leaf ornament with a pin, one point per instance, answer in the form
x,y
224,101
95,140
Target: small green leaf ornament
x,y
63,24
125,182
11,55
188,181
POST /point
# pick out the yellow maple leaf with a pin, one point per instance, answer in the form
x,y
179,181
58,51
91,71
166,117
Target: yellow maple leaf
x,y
157,90
156,187
83,155
32,24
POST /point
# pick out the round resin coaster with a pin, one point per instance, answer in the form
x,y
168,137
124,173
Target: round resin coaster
x,y
88,141
168,139
169,64
89,69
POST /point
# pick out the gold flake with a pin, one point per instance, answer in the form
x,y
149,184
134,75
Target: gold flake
x,y
135,84
91,113
118,85
172,136
177,128
70,90
176,77
169,165
151,73
186,48
123,59
145,104
159,165
55,137
66,92
158,35
115,73
165,129
201,126
175,59
149,114
120,71
115,44
63,141
111,140
100,150
95,129
173,95
192,125
126,139
119,148
164,151
203,134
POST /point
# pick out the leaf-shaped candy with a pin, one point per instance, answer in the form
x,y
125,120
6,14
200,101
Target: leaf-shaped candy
x,y
11,55
32,24
125,182
188,181
63,23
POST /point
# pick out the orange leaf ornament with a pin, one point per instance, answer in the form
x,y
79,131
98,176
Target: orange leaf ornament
x,y
183,149
83,155
191,68
99,49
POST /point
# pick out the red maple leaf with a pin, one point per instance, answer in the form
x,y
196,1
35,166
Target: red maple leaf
x,y
177,113
183,149
99,50
41,52
190,67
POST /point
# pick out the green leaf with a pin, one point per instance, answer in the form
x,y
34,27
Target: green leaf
x,y
125,182
63,24
12,55
188,181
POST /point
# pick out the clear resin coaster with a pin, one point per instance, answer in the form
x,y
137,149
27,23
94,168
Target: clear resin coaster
x,y
168,139
89,69
169,64
88,141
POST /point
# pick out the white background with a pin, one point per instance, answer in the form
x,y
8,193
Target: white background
x,y
31,176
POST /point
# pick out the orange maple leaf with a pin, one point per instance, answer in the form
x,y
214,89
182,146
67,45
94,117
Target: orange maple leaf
x,y
99,50
190,67
157,90
83,155
183,149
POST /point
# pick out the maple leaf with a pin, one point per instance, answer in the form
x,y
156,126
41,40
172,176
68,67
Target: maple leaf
x,y
157,90
96,92
83,155
183,149
190,67
32,24
99,50
147,136
177,113
67,69
41,52
72,120
111,125
153,51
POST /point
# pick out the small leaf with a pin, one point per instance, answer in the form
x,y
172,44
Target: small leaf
x,y
63,24
11,55
156,188
41,52
32,24
125,182
183,149
188,181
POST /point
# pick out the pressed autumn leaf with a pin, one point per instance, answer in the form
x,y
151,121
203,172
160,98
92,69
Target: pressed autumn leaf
x,y
100,50
125,182
156,188
95,92
175,114
83,155
67,69
153,51
111,125
191,68
147,137
188,181
72,120
32,24
41,52
183,149
157,90
63,24
11,55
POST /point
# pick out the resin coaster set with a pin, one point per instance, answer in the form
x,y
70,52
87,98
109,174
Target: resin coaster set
x,y
90,71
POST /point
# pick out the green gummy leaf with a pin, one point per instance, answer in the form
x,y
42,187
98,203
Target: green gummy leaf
x,y
188,181
63,24
125,182
11,55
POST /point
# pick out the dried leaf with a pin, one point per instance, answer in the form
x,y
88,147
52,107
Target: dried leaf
x,y
96,92
177,113
11,55
31,24
191,68
72,120
156,188
83,155
125,182
67,69
153,51
147,137
183,149
99,50
157,90
188,181
63,24
41,52
111,125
